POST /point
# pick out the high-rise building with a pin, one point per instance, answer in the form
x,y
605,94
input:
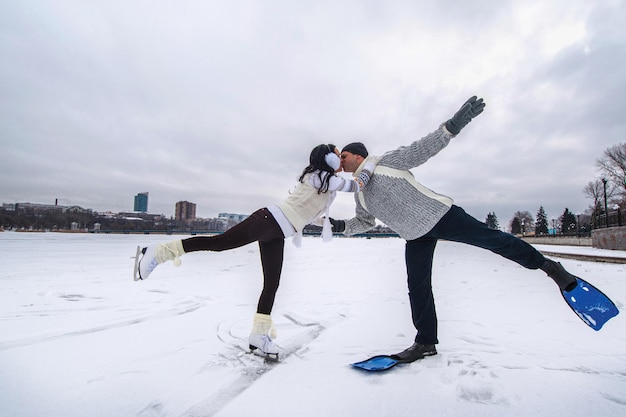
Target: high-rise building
x,y
185,211
141,202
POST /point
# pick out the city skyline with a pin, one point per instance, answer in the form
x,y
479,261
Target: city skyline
x,y
190,207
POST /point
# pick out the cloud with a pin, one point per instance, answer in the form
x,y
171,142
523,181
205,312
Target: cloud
x,y
220,103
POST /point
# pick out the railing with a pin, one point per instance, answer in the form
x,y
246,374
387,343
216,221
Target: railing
x,y
613,219
155,232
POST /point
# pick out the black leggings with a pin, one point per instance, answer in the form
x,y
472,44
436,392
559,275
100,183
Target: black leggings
x,y
262,227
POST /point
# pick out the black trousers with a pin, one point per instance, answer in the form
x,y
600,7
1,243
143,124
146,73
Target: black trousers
x,y
260,227
457,226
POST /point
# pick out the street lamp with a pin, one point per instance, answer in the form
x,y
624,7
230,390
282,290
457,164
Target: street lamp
x,y
606,208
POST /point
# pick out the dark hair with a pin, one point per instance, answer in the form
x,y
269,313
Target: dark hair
x,y
317,162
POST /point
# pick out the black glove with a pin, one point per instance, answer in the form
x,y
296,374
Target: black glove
x,y
339,226
470,109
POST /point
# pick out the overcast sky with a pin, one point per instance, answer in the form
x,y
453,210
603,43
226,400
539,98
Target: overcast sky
x,y
220,102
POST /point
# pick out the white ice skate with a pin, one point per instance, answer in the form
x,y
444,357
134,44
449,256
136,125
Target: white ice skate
x,y
261,336
148,258
264,344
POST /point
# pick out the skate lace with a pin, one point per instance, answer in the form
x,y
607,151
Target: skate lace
x,y
146,266
152,263
267,345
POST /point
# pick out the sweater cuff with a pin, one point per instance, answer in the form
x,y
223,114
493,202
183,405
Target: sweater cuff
x,y
445,130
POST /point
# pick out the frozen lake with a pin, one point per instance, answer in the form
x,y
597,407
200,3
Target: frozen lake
x,y
78,337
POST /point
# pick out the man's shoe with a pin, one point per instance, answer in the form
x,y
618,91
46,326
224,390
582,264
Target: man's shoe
x,y
415,352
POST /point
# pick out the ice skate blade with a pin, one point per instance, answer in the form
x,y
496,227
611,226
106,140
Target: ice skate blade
x,y
269,357
136,275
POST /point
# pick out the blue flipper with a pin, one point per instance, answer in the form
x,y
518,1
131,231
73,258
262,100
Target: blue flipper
x,y
377,363
590,304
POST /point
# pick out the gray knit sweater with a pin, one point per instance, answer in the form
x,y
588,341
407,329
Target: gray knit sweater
x,y
395,197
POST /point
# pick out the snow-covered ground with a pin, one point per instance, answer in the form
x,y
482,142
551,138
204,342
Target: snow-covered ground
x,y
582,250
79,338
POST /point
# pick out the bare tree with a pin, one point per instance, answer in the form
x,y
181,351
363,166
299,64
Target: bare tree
x,y
524,220
595,191
613,165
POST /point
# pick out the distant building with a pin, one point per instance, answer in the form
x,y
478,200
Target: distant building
x,y
140,216
185,211
76,209
237,218
38,207
141,202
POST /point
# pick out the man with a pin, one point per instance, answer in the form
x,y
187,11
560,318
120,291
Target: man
x,y
422,217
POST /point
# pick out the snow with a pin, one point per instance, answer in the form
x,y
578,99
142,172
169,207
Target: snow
x,y
582,250
78,337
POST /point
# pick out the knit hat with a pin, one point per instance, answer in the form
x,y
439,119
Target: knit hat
x,y
356,148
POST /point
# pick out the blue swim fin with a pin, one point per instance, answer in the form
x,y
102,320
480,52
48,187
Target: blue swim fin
x,y
377,363
590,304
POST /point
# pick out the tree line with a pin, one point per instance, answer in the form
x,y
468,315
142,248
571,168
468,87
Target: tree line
x,y
607,192
524,223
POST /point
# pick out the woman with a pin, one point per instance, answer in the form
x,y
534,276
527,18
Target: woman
x,y
269,226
